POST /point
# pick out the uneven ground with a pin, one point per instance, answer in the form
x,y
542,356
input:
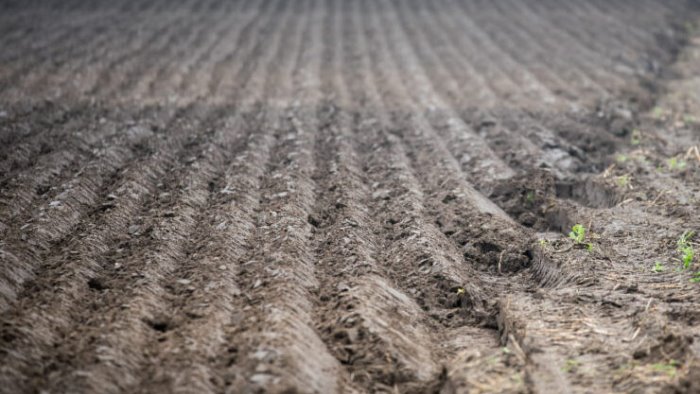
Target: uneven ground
x,y
348,196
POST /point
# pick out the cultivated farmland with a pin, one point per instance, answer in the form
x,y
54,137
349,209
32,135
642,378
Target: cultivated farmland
x,y
349,196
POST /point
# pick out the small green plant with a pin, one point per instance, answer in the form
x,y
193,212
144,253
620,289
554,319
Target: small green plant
x,y
688,254
622,181
675,163
685,238
658,267
686,248
578,233
570,365
530,197
689,119
621,158
695,278
657,112
636,137
668,368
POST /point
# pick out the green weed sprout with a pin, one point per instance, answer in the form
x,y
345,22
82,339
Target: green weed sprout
x,y
676,164
688,254
689,119
686,248
695,278
658,267
685,238
636,137
578,234
570,365
668,368
530,197
623,181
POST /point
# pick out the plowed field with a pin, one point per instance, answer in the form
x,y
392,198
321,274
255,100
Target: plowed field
x,y
327,196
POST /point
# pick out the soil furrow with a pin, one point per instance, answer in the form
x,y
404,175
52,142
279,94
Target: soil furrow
x,y
133,312
221,81
331,196
74,198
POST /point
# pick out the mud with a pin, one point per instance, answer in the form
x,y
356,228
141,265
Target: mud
x,y
332,196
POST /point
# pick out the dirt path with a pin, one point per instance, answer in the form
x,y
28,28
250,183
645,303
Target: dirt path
x,y
333,196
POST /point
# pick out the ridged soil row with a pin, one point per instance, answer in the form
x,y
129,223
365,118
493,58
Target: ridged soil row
x,y
204,291
275,86
83,69
422,98
126,195
457,43
77,62
67,204
166,80
357,281
221,83
74,269
442,175
23,71
468,148
473,89
124,68
483,54
17,30
502,47
305,77
263,64
79,133
600,40
276,335
487,237
111,349
430,282
38,164
191,82
278,277
144,79
591,65
494,59
618,16
26,137
78,66
206,338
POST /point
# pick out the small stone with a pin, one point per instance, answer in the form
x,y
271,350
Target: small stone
x,y
262,379
184,281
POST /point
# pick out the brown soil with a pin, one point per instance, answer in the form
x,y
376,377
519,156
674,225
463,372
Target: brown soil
x,y
348,196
